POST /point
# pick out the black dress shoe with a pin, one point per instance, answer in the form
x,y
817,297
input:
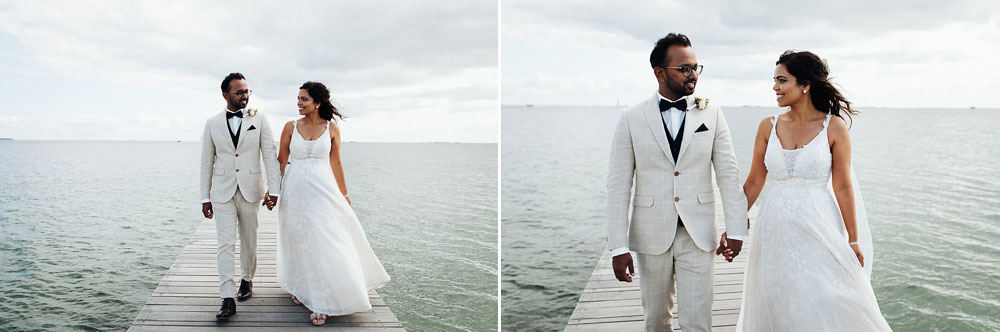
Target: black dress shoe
x,y
228,309
246,290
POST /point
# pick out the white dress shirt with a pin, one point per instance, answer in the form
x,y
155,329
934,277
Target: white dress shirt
x,y
234,122
672,118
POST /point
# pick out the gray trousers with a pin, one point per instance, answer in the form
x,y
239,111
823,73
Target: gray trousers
x,y
236,218
691,269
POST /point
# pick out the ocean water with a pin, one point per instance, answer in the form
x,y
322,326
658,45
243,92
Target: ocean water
x,y
88,229
929,178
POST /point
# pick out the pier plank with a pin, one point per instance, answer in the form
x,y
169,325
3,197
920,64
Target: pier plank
x,y
187,297
609,305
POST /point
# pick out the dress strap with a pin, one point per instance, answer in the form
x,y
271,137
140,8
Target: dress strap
x,y
826,123
294,124
774,125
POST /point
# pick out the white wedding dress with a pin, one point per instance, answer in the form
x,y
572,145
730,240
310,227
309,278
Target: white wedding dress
x,y
801,273
323,254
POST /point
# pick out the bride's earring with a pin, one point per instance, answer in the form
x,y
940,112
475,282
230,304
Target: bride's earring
x,y
803,91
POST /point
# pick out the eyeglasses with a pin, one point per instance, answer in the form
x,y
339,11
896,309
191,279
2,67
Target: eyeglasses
x,y
242,93
687,70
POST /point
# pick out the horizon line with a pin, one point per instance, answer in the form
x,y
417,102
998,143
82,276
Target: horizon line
x,y
195,141
731,106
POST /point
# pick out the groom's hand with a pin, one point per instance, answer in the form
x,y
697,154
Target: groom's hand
x,y
206,209
620,264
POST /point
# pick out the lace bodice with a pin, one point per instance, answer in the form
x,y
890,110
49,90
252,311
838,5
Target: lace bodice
x,y
810,164
301,149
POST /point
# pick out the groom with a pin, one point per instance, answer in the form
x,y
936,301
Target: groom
x,y
668,144
233,145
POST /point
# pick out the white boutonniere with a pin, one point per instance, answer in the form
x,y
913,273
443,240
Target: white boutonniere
x,y
701,102
252,111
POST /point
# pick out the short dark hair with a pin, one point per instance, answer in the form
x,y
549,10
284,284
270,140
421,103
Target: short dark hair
x,y
230,77
658,58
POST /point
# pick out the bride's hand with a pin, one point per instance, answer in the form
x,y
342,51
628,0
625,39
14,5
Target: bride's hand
x,y
857,252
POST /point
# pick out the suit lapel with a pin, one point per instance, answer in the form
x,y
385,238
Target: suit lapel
x,y
655,122
247,122
692,120
221,127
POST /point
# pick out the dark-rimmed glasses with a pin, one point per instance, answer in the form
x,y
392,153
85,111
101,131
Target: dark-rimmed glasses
x,y
242,93
687,70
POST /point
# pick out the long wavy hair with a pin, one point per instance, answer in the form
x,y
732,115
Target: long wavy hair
x,y
321,95
808,68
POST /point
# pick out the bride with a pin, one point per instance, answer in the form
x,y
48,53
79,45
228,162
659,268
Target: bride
x,y
324,259
810,264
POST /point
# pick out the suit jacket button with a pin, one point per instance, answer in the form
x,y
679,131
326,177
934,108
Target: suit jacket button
x,y
676,199
675,173
237,169
237,155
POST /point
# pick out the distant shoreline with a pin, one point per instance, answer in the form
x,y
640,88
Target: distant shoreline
x,y
196,141
968,108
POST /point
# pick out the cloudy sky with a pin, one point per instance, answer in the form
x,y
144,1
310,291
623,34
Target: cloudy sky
x,y
401,71
918,53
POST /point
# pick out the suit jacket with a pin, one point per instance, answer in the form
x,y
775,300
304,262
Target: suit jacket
x,y
224,166
665,189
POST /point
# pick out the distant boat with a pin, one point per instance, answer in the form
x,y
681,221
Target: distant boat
x,y
972,107
531,105
6,139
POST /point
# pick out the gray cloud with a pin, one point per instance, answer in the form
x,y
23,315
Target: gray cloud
x,y
890,53
412,52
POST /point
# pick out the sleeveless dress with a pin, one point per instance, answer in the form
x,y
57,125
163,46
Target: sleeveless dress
x,y
324,258
801,274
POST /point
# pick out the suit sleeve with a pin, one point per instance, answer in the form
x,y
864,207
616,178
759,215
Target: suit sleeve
x,y
269,153
621,170
727,176
207,162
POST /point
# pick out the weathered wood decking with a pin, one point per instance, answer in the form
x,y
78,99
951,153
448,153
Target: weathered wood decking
x,y
187,298
609,305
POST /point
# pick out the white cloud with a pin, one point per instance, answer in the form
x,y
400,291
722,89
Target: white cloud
x,y
377,58
890,53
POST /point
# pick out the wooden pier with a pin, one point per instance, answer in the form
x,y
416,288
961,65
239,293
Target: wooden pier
x,y
187,298
610,305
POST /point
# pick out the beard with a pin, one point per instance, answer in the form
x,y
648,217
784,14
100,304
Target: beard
x,y
238,104
680,88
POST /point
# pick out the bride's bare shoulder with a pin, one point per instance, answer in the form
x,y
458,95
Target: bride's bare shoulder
x,y
764,127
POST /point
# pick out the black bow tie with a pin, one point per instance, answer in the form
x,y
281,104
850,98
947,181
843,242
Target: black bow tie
x,y
680,104
237,114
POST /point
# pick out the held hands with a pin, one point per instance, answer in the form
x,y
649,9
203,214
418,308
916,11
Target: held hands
x,y
206,209
729,248
620,264
270,201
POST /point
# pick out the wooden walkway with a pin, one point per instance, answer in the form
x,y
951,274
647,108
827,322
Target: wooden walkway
x,y
187,298
610,305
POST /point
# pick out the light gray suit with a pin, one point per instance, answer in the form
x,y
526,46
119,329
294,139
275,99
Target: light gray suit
x,y
664,191
232,180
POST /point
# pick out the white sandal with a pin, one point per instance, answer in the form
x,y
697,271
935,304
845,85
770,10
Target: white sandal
x,y
317,318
